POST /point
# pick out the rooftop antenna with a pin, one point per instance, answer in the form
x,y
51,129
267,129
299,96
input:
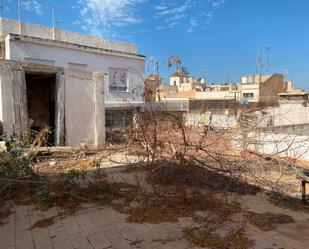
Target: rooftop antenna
x,y
19,15
262,60
155,64
54,22
285,72
204,72
1,8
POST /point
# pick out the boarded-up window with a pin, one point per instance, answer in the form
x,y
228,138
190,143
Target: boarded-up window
x,y
118,79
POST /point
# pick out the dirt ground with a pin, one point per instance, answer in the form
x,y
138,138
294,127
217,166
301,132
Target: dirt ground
x,y
110,199
138,218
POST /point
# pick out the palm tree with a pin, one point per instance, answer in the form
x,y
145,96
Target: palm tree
x,y
174,60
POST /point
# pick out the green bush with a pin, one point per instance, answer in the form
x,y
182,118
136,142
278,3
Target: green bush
x,y
14,165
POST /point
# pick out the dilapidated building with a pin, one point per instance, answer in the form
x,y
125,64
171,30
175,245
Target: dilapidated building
x,y
73,83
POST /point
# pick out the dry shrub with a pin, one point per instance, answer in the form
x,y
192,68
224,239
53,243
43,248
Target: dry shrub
x,y
134,168
169,207
117,136
287,202
193,175
44,223
268,221
5,212
203,237
66,191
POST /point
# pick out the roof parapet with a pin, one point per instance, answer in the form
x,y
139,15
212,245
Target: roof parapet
x,y
9,26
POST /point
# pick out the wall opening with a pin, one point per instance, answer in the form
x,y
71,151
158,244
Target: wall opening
x,y
119,119
41,98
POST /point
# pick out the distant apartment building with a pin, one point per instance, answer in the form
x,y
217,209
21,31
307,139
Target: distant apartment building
x,y
219,92
186,83
262,88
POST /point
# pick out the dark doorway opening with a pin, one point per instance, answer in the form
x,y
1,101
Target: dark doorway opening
x,y
41,97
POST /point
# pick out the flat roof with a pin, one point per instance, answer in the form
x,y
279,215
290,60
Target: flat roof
x,y
291,94
72,46
9,26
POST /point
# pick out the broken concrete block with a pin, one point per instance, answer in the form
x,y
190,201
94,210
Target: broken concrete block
x,y
3,147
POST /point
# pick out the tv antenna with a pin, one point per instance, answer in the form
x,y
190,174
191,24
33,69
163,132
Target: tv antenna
x,y
54,21
2,8
262,60
285,72
155,64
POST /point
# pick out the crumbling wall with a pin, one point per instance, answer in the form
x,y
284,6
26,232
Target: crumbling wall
x,y
290,114
208,118
273,144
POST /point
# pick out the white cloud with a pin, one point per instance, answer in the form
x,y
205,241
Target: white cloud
x,y
160,7
193,24
33,6
105,17
178,9
216,3
101,16
173,12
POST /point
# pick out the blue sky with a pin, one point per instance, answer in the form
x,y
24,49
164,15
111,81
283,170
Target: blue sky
x,y
218,39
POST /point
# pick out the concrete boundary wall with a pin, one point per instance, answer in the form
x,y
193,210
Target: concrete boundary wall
x,y
268,143
207,118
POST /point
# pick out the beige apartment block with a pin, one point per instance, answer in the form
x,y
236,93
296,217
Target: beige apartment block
x,y
262,88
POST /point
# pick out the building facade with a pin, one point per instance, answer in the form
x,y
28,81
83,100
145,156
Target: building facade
x,y
119,64
262,88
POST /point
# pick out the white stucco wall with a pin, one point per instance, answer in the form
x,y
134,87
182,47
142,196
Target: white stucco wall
x,y
292,113
269,143
52,54
175,79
